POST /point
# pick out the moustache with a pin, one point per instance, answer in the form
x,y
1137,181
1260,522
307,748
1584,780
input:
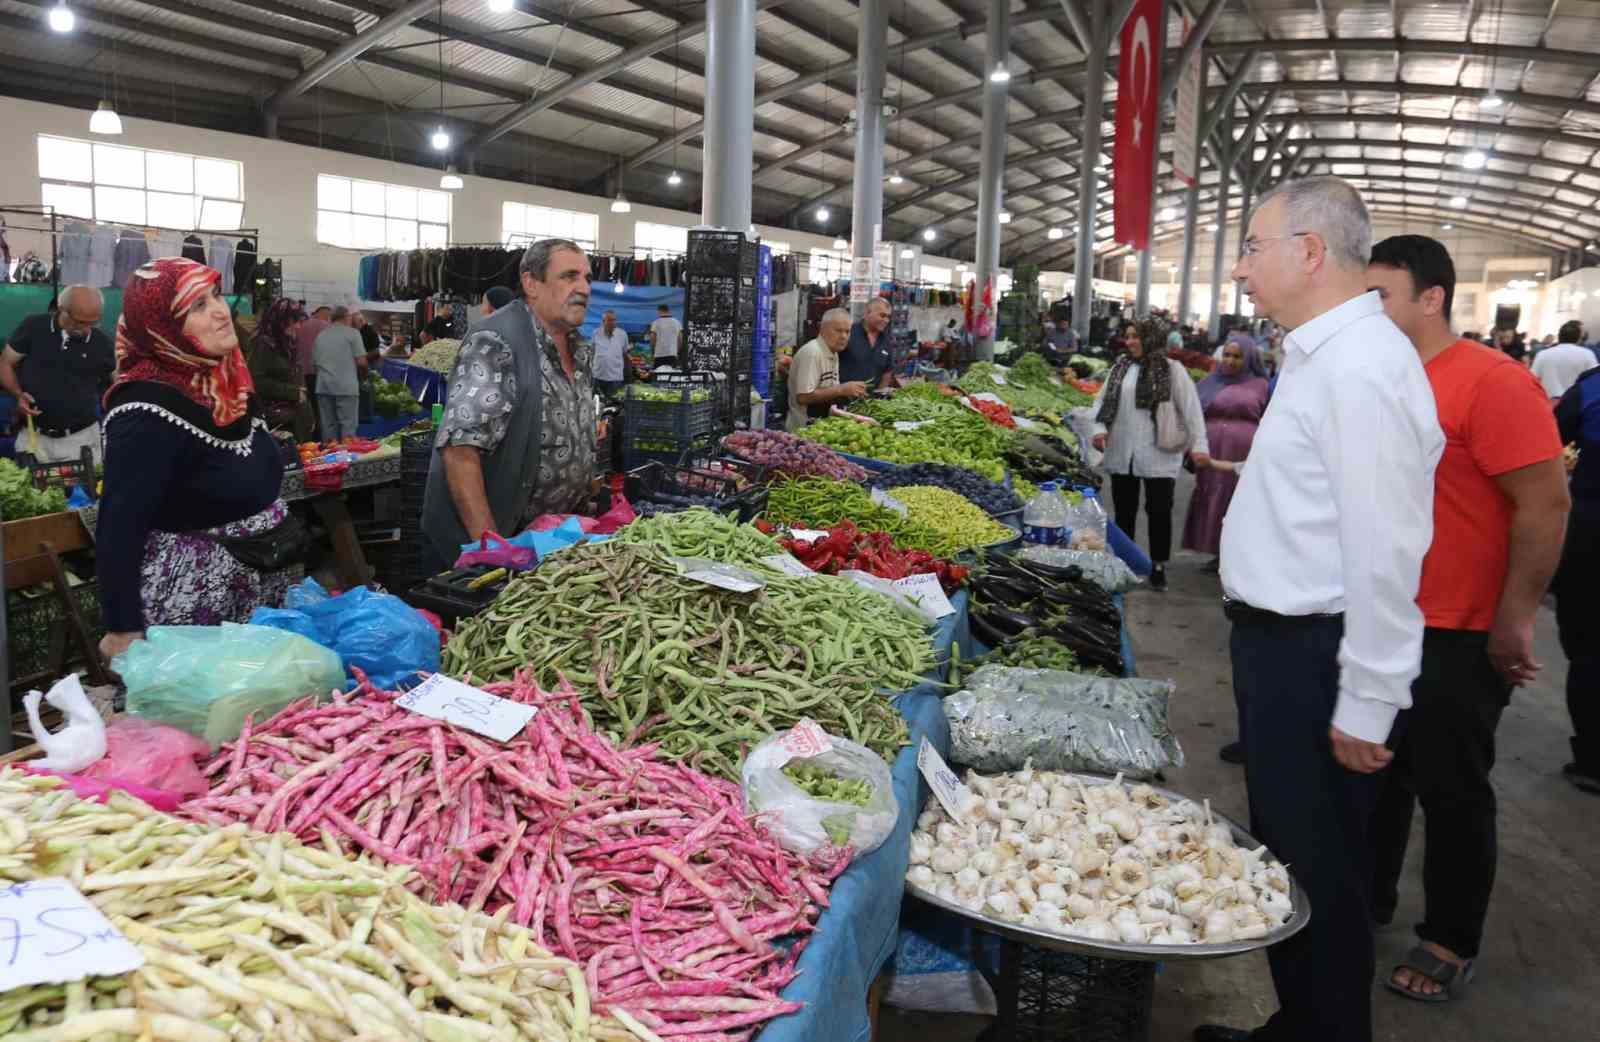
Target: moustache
x,y
577,299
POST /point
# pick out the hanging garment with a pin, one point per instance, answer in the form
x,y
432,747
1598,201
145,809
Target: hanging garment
x,y
244,265
102,256
131,253
166,244
194,249
222,261
75,242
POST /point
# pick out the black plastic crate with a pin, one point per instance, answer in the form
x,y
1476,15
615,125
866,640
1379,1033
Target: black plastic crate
x,y
636,452
62,475
747,474
693,412
447,595
655,480
416,452
720,298
1062,997
36,627
722,253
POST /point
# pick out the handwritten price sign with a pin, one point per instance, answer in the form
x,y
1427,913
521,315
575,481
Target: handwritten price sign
x,y
466,707
50,934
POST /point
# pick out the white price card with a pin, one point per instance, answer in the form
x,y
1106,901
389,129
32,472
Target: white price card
x,y
924,591
888,502
456,703
1025,424
722,576
805,740
992,399
999,377
910,425
947,788
807,535
788,564
51,934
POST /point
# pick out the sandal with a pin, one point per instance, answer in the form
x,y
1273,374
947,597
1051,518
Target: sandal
x,y
1451,978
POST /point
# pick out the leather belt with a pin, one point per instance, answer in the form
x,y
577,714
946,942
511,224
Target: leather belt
x,y
1239,611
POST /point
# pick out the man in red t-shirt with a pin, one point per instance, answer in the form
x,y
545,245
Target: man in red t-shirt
x,y
1499,513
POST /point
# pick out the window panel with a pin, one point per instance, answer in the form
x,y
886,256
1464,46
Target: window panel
x,y
115,165
368,233
400,234
333,193
401,202
333,228
123,205
512,220
221,215
69,200
218,178
433,235
432,206
169,172
367,197
170,210
586,228
937,275
778,248
62,159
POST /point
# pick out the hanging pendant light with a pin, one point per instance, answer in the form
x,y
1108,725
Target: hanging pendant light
x,y
674,179
928,235
823,213
105,120
620,204
1005,216
440,139
62,20
451,181
1477,159
895,178
502,6
840,244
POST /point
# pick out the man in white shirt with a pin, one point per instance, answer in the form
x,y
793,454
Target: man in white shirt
x,y
1559,367
664,333
814,384
610,354
1322,551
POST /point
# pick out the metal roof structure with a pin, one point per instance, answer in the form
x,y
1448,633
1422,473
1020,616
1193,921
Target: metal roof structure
x,y
1393,95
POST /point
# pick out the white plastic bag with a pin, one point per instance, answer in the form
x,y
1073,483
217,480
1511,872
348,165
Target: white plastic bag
x,y
802,823
75,746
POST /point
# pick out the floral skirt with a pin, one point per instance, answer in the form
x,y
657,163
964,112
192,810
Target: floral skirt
x,y
190,579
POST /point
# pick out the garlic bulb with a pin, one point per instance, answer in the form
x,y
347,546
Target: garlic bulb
x,y
921,876
947,833
1094,929
921,848
1123,821
968,879
927,820
1002,904
949,860
1039,849
1129,877
1218,926
1053,893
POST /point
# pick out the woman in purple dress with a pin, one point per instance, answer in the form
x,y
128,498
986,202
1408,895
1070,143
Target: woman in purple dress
x,y
1233,397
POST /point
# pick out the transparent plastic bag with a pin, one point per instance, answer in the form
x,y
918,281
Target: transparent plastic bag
x,y
377,633
805,824
82,741
1087,519
1061,721
206,679
1106,570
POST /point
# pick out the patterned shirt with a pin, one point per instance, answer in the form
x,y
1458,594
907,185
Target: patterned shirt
x,y
484,394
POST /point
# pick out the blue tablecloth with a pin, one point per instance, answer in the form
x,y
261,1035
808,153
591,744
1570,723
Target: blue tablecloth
x,y
426,386
857,933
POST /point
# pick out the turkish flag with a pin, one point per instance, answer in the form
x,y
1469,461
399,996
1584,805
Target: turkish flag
x,y
1138,120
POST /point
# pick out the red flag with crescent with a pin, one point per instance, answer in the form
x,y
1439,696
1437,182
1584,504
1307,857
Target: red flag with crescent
x,y
1138,121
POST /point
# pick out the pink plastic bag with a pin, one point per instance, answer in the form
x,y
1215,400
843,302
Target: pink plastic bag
x,y
502,554
156,756
545,522
609,523
96,790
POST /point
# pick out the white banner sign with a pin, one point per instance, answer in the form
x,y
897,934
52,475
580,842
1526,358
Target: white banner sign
x,y
1191,89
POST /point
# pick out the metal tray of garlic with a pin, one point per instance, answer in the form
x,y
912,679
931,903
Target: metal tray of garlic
x,y
1089,864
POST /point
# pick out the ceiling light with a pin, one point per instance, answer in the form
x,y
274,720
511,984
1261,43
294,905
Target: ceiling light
x,y
620,204
823,215
906,253
1458,201
674,179
105,120
1491,100
928,235
895,178
501,6
840,244
1167,213
1447,226
1475,160
62,20
451,181
1001,74
1055,233
440,140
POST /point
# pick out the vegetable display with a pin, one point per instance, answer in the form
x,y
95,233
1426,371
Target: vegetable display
x,y
783,453
847,547
391,398
252,938
1015,599
1030,652
1100,860
1030,387
701,671
819,503
644,871
964,440
990,496
906,407
821,783
438,355
953,515
642,392
1046,459
994,412
19,499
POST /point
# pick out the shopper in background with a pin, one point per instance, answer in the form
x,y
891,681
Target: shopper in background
x,y
1322,547
1577,585
1499,512
1558,368
280,388
1062,338
1136,387
610,354
442,325
341,361
306,344
57,365
814,384
518,435
496,298
664,334
866,357
190,466
1232,399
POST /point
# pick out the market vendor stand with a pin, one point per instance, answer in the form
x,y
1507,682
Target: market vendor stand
x,y
333,509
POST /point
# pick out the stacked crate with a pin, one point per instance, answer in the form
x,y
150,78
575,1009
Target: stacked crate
x,y
720,315
675,414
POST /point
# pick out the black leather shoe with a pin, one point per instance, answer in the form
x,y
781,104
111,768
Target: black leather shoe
x,y
1218,1033
1232,753
1158,578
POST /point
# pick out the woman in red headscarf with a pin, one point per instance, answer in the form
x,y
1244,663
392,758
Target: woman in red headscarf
x,y
192,475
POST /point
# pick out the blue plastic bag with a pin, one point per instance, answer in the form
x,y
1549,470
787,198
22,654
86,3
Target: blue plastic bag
x,y
378,633
567,533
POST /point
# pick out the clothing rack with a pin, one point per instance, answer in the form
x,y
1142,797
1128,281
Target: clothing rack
x,y
48,213
62,226
469,270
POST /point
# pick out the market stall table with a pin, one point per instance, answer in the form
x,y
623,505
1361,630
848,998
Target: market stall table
x,y
429,387
378,468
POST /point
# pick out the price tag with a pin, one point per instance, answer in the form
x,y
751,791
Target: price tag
x,y
805,740
992,399
466,707
723,582
809,535
788,565
999,377
1023,423
924,591
883,499
910,425
947,788
1054,379
51,934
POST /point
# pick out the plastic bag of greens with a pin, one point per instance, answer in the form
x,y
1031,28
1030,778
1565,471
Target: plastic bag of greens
x,y
816,793
207,679
1106,570
1061,721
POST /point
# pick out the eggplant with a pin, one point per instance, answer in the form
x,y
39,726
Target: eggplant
x,y
999,591
1056,573
987,634
1007,620
1090,653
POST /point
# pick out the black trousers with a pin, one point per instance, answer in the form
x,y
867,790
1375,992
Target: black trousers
x,y
1316,817
1577,589
1157,508
1443,752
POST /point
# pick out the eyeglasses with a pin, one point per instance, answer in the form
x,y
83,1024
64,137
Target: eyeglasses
x,y
1253,246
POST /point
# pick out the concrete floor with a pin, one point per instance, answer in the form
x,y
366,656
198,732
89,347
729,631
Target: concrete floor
x,y
1539,974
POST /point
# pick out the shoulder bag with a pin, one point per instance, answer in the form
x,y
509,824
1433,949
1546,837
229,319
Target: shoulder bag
x,y
1171,434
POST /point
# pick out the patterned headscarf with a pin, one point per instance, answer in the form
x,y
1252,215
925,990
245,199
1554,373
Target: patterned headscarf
x,y
272,332
1253,369
152,346
1154,384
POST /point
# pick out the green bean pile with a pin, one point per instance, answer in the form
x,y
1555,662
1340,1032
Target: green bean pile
x,y
822,784
702,671
821,503
700,533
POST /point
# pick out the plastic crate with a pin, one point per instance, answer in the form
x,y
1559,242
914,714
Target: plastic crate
x,y
35,624
684,417
1061,997
446,595
720,298
635,455
722,253
63,475
654,481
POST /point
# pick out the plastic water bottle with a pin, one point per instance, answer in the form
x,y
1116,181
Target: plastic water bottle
x,y
1044,517
1093,515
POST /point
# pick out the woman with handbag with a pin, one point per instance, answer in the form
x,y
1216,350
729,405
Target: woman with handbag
x,y
1147,418
190,521
275,370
